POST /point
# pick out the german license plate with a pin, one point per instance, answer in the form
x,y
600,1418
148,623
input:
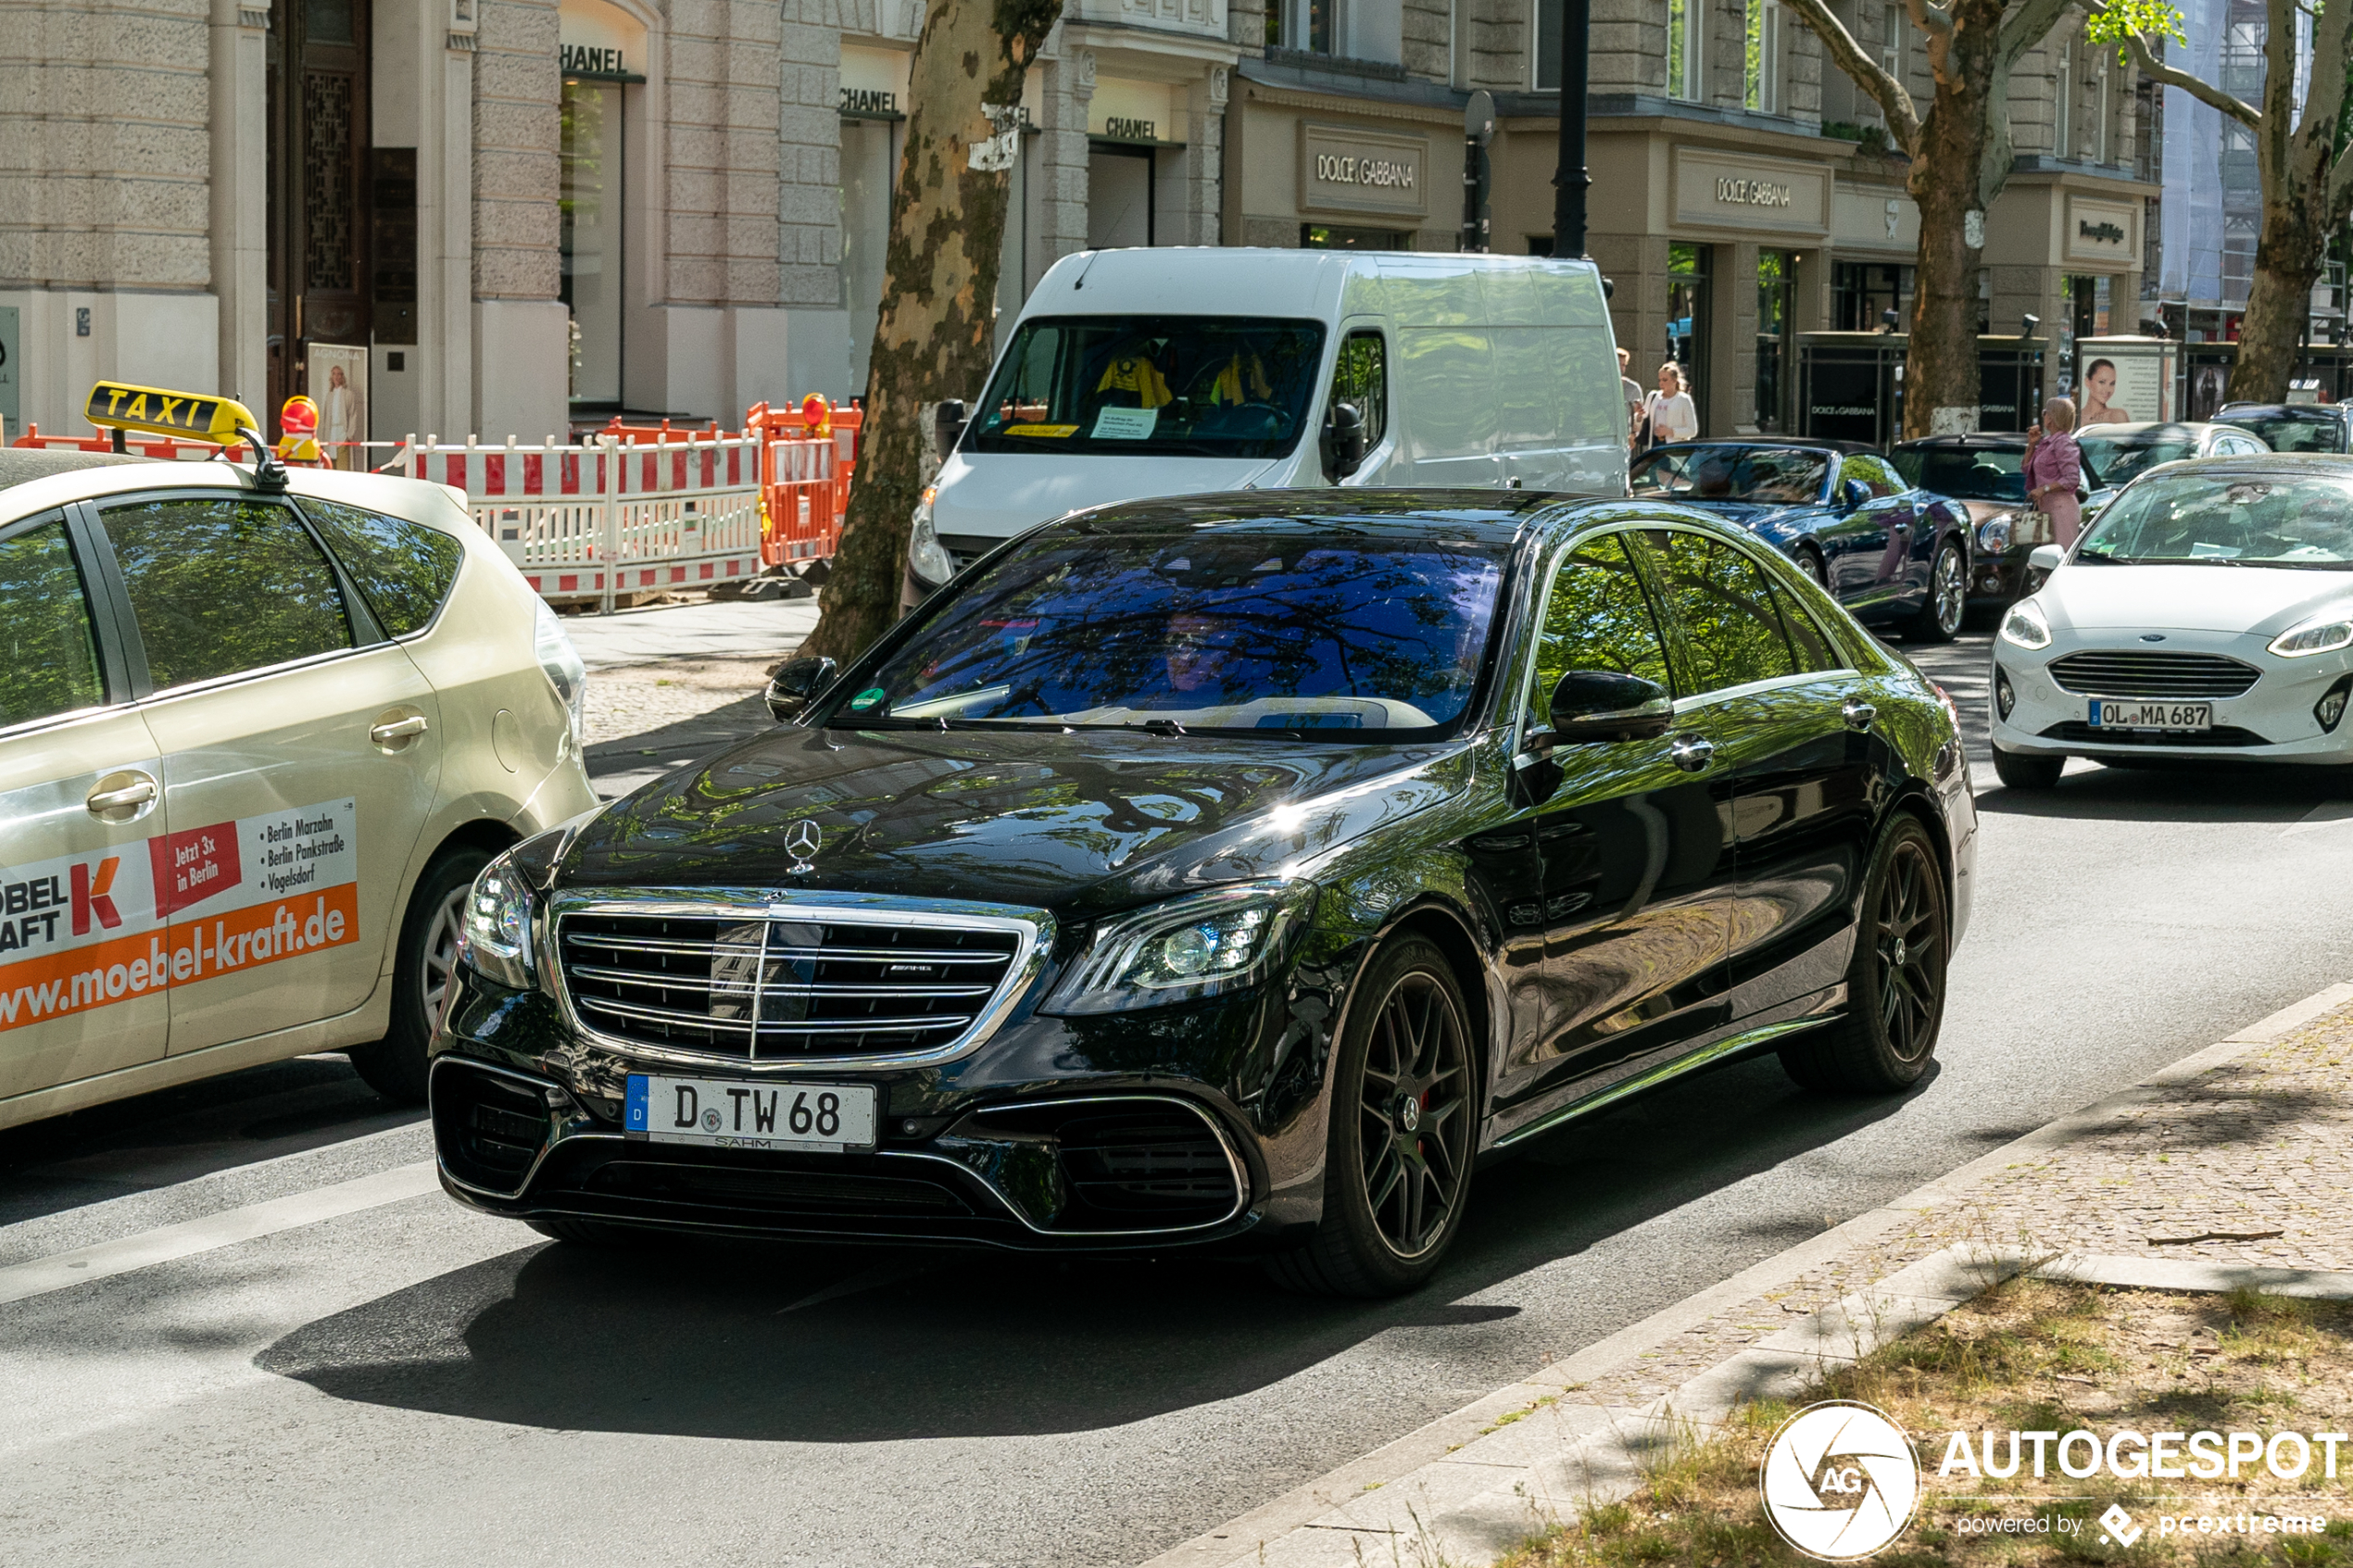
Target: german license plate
x,y
733,1113
2110,713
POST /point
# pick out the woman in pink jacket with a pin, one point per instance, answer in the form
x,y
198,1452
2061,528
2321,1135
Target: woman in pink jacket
x,y
2053,470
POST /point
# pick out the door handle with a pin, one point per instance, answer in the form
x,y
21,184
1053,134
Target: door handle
x,y
393,731
1691,753
135,794
1858,714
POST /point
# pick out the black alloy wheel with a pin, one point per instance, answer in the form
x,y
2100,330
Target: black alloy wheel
x,y
1940,618
1895,981
1404,1110
395,1066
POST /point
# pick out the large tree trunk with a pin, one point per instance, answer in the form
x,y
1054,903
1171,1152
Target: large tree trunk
x,y
1957,169
939,288
2279,304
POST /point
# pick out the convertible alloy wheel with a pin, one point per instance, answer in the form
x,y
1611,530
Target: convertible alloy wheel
x,y
1906,933
1415,1115
1948,596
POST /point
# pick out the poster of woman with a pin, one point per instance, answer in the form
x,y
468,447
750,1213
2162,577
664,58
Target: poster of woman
x,y
2100,407
339,381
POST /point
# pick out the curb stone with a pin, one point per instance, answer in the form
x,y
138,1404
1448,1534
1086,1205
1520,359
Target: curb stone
x,y
1460,1490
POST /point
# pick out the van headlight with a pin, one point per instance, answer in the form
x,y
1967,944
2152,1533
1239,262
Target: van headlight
x,y
2323,633
1186,948
926,556
495,938
561,662
2027,626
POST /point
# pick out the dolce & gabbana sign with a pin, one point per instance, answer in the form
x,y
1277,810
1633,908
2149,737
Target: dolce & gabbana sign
x,y
1343,168
1752,193
1723,189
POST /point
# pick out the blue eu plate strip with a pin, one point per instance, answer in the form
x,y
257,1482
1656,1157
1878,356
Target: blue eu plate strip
x,y
634,1120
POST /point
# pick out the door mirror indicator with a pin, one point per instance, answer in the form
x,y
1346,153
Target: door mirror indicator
x,y
1603,705
789,692
1343,441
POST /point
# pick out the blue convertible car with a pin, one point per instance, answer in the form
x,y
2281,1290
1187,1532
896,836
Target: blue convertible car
x,y
1895,555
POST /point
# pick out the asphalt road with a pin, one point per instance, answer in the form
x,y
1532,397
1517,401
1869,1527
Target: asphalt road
x,y
412,1383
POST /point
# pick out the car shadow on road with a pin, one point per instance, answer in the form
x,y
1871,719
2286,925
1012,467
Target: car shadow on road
x,y
2184,792
724,1340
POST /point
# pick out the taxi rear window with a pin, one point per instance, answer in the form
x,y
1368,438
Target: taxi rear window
x,y
404,570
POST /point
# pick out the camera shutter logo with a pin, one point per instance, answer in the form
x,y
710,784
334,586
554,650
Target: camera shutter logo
x,y
801,840
1840,1481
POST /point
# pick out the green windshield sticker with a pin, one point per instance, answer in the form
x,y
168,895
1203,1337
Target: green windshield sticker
x,y
866,698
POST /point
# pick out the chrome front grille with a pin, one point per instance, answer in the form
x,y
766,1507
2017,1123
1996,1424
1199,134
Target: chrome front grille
x,y
2164,676
789,982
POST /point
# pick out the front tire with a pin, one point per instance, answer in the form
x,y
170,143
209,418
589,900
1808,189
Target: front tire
x,y
2019,769
1940,619
395,1066
1895,981
1809,562
1404,1109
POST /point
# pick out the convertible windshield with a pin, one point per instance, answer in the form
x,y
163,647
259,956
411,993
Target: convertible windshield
x,y
1280,629
1966,473
1211,386
2206,517
1780,476
2122,461
2292,430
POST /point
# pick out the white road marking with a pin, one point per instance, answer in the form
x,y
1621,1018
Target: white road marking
x,y
61,1270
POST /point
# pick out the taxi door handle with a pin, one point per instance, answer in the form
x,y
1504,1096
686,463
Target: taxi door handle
x,y
1691,753
130,794
393,731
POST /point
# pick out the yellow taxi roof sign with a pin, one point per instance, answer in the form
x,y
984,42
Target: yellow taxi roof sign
x,y
155,411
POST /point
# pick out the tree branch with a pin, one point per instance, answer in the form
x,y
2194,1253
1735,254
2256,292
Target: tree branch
x,y
2212,97
1932,20
2028,25
1895,102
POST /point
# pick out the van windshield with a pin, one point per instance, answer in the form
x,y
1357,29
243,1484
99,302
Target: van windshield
x,y
1203,386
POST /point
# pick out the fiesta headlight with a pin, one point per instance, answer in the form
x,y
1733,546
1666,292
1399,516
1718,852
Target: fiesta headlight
x,y
2027,626
2323,634
926,556
1186,948
1994,533
495,938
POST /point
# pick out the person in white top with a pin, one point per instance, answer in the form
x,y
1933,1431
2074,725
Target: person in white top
x,y
1669,411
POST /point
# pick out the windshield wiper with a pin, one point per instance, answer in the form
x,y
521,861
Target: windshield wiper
x,y
2094,555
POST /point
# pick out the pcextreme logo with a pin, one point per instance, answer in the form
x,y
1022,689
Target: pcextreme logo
x,y
84,931
1839,1480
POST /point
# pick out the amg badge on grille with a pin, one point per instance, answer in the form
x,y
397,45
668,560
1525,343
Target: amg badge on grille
x,y
801,840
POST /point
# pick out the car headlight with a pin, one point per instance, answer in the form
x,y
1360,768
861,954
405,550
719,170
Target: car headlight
x,y
564,670
925,555
1994,533
495,938
2026,625
2321,634
1186,948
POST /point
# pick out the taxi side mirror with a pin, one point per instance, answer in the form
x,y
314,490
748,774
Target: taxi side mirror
x,y
789,691
1602,705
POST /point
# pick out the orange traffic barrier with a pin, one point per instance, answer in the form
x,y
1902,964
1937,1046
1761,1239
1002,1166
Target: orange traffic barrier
x,y
809,457
165,446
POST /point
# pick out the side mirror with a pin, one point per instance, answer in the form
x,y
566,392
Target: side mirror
x,y
789,692
2046,558
1597,705
948,425
1853,493
1343,441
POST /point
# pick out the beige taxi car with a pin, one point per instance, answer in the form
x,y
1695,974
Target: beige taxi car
x,y
259,732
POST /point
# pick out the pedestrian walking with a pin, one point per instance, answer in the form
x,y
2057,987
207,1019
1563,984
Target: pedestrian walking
x,y
1669,411
1632,390
2054,471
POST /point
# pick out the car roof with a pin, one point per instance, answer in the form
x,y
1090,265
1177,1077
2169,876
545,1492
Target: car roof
x,y
1817,443
2149,430
22,465
1497,516
1995,440
2318,413
99,474
2270,462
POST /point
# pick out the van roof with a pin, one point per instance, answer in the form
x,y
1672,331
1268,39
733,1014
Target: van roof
x,y
1242,280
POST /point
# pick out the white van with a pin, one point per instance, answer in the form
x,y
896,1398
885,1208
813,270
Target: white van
x,y
1175,372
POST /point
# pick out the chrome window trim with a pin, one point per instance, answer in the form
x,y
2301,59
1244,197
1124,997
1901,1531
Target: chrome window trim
x,y
1033,930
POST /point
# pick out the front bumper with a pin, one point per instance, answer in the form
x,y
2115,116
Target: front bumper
x,y
2273,720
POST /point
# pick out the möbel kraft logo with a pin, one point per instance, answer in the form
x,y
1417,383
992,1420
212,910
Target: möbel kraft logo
x,y
1839,1480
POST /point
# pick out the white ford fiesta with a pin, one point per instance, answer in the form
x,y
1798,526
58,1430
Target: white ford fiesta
x,y
2208,613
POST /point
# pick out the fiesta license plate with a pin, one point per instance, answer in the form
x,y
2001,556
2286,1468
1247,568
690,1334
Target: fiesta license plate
x,y
2110,713
732,1113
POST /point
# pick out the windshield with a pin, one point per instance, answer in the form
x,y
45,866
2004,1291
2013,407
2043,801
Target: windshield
x,y
1205,386
2289,431
2210,518
2120,462
1780,476
1285,629
1966,473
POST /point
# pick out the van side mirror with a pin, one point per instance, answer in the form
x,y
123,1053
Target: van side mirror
x,y
1343,441
789,692
1598,705
948,425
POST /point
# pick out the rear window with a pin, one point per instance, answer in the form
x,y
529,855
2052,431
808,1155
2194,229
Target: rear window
x,y
1973,474
404,570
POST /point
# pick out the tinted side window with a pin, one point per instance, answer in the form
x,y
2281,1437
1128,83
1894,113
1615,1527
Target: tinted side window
x,y
1726,609
404,570
1362,378
45,629
1813,647
224,585
1597,616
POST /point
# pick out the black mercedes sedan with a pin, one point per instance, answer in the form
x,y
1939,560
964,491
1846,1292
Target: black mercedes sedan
x,y
1240,871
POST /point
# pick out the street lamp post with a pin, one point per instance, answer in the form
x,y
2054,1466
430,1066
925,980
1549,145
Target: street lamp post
x,y
1571,180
